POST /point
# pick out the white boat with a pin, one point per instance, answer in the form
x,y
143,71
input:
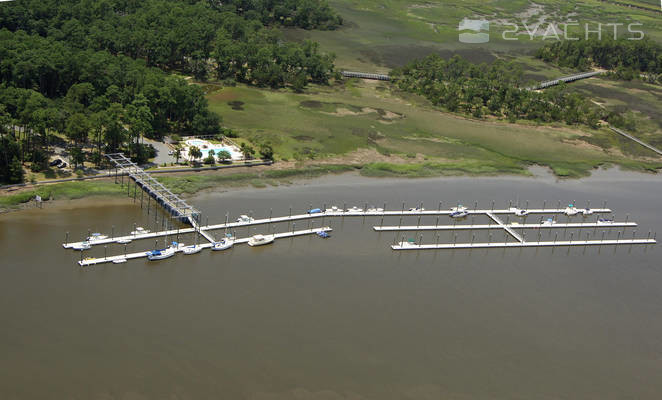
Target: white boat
x,y
95,237
375,210
223,244
587,211
245,218
459,214
459,208
81,246
119,261
163,253
192,249
259,240
417,209
548,222
571,210
520,212
333,209
605,221
354,210
140,231
124,241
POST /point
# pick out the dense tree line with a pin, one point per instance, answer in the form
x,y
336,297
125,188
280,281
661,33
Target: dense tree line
x,y
95,72
190,36
626,59
494,89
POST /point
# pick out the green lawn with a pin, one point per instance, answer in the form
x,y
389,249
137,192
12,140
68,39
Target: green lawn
x,y
332,121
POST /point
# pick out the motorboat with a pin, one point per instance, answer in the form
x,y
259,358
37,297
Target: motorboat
x,y
119,261
520,212
192,249
417,209
605,221
334,209
548,222
124,241
163,253
314,211
259,240
409,243
323,234
95,237
140,231
571,210
375,210
81,246
587,211
223,244
459,214
245,219
354,210
459,208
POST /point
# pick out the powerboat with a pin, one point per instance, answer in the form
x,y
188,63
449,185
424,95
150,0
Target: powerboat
x,y
119,261
333,209
459,208
587,211
81,246
192,249
571,210
375,210
459,214
605,221
124,241
409,243
245,219
520,212
314,211
96,236
140,231
548,222
223,244
259,240
354,210
417,209
323,234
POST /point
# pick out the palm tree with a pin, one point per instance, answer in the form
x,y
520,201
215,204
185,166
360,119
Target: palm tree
x,y
194,152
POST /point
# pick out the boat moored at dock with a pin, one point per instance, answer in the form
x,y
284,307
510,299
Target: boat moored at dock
x,y
260,240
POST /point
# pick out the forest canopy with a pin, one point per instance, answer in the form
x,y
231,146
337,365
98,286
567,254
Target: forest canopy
x,y
99,73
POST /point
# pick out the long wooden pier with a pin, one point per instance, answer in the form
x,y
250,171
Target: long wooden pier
x,y
558,243
143,254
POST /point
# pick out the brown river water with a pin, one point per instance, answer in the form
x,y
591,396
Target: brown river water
x,y
338,318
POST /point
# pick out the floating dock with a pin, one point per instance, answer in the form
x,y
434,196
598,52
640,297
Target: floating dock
x,y
557,243
143,254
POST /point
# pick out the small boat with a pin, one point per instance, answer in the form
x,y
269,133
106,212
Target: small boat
x,y
192,249
521,212
90,260
95,237
409,243
459,208
459,214
245,219
323,234
375,210
333,209
119,261
163,253
314,211
124,241
605,221
81,246
417,209
571,210
548,222
223,244
259,240
140,231
354,210
587,211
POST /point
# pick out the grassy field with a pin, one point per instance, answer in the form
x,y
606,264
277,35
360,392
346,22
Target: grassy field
x,y
62,191
404,129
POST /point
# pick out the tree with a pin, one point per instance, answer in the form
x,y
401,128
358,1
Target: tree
x,y
210,159
266,152
247,150
16,171
224,155
77,156
194,153
78,127
177,153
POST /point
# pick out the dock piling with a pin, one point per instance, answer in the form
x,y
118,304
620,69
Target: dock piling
x,y
66,238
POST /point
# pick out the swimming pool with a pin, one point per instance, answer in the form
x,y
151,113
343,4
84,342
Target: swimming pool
x,y
206,146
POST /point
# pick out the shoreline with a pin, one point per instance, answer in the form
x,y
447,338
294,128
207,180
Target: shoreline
x,y
209,184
